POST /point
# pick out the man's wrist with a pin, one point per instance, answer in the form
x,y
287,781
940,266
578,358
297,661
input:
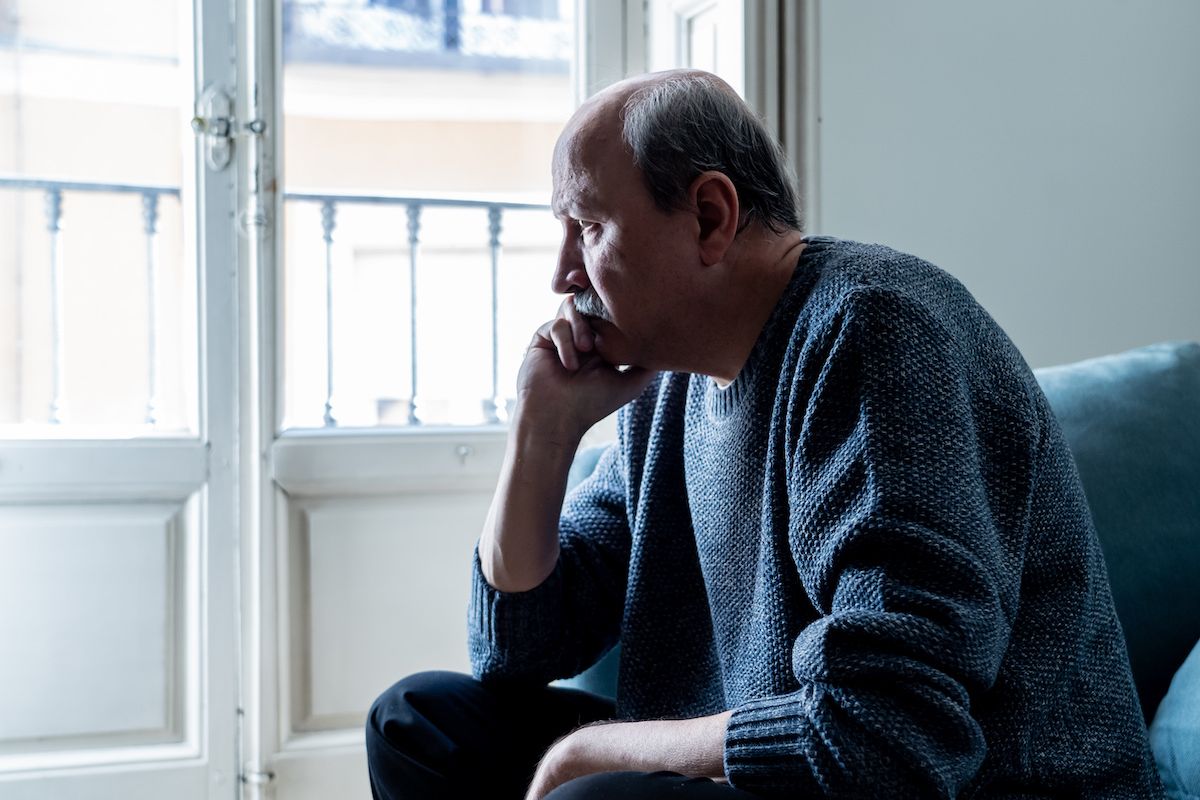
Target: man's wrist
x,y
545,432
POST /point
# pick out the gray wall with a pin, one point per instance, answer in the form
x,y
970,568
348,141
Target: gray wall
x,y
1045,153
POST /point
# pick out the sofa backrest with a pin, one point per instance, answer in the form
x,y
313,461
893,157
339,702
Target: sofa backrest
x,y
1133,424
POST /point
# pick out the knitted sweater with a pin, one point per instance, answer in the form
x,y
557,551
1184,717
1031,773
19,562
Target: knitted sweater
x,y
872,547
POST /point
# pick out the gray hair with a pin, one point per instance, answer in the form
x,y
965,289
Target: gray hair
x,y
684,125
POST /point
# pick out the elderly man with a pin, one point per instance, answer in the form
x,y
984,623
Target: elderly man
x,y
841,539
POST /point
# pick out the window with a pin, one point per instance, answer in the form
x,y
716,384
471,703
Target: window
x,y
418,241
97,300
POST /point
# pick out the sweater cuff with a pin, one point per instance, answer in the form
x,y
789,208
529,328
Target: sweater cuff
x,y
764,745
507,635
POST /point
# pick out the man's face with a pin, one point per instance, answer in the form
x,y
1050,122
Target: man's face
x,y
620,254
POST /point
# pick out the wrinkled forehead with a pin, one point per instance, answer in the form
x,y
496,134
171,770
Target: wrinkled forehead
x,y
574,173
584,153
568,168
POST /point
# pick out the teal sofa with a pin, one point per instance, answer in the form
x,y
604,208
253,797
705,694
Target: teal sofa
x,y
1133,423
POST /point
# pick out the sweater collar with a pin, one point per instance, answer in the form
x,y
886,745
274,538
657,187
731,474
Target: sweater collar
x,y
721,402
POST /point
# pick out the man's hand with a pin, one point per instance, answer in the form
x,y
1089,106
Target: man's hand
x,y
563,389
560,764
693,747
565,383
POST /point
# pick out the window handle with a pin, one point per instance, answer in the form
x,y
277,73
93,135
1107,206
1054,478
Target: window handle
x,y
215,122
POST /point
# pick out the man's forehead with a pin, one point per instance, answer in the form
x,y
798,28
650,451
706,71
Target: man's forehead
x,y
578,159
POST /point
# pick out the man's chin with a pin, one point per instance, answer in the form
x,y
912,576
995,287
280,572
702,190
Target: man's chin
x,y
613,347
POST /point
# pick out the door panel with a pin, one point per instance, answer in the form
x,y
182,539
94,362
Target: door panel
x,y
105,669
412,264
381,592
118,483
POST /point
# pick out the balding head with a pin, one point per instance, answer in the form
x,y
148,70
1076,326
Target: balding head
x,y
593,138
675,125
607,105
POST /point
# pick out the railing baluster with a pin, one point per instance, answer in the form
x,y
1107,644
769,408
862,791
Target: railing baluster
x,y
150,226
415,208
328,222
414,237
57,407
491,404
54,226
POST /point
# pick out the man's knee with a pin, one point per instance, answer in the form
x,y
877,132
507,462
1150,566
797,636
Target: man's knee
x,y
413,735
424,685
393,711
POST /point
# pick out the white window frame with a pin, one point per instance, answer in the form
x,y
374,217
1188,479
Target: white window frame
x,y
296,462
199,472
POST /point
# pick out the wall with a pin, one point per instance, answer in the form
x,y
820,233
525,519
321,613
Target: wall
x,y
1047,154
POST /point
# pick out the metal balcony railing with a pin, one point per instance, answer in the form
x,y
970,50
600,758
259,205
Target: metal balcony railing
x,y
53,204
329,205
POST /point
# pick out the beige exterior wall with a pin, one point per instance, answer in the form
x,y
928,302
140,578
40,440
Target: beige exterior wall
x,y
459,156
104,27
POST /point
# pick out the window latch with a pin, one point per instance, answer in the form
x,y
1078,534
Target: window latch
x,y
214,121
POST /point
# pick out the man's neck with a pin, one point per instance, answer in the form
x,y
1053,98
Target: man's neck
x,y
755,281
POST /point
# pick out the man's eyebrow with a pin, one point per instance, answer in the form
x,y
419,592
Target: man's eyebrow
x,y
572,207
575,210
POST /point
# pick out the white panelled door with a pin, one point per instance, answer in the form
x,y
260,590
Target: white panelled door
x,y
118,509
417,250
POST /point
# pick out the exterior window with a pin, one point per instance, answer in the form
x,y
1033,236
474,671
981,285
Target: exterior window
x,y
97,299
418,241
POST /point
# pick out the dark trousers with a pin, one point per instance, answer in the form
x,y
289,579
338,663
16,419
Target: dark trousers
x,y
446,736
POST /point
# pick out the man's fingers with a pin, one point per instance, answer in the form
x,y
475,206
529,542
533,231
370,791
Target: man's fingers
x,y
564,342
582,331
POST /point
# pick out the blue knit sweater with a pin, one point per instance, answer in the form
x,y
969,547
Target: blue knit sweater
x,y
872,546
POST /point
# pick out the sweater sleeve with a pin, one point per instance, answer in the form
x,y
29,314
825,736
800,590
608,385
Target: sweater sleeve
x,y
893,532
569,621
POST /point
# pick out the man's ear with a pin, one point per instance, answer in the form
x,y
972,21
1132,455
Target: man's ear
x,y
716,206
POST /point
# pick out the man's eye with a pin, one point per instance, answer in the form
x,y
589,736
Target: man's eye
x,y
588,228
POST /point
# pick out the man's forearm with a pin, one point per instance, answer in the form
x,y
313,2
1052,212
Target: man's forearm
x,y
518,547
694,747
687,746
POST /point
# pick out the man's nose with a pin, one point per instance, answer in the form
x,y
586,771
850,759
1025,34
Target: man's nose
x,y
569,274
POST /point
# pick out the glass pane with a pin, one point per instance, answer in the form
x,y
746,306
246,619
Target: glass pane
x,y
97,299
426,121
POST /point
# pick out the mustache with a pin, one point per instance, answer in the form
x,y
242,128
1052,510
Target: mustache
x,y
588,303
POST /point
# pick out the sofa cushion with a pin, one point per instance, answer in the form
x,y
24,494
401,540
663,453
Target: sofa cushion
x,y
1175,732
584,463
1133,424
